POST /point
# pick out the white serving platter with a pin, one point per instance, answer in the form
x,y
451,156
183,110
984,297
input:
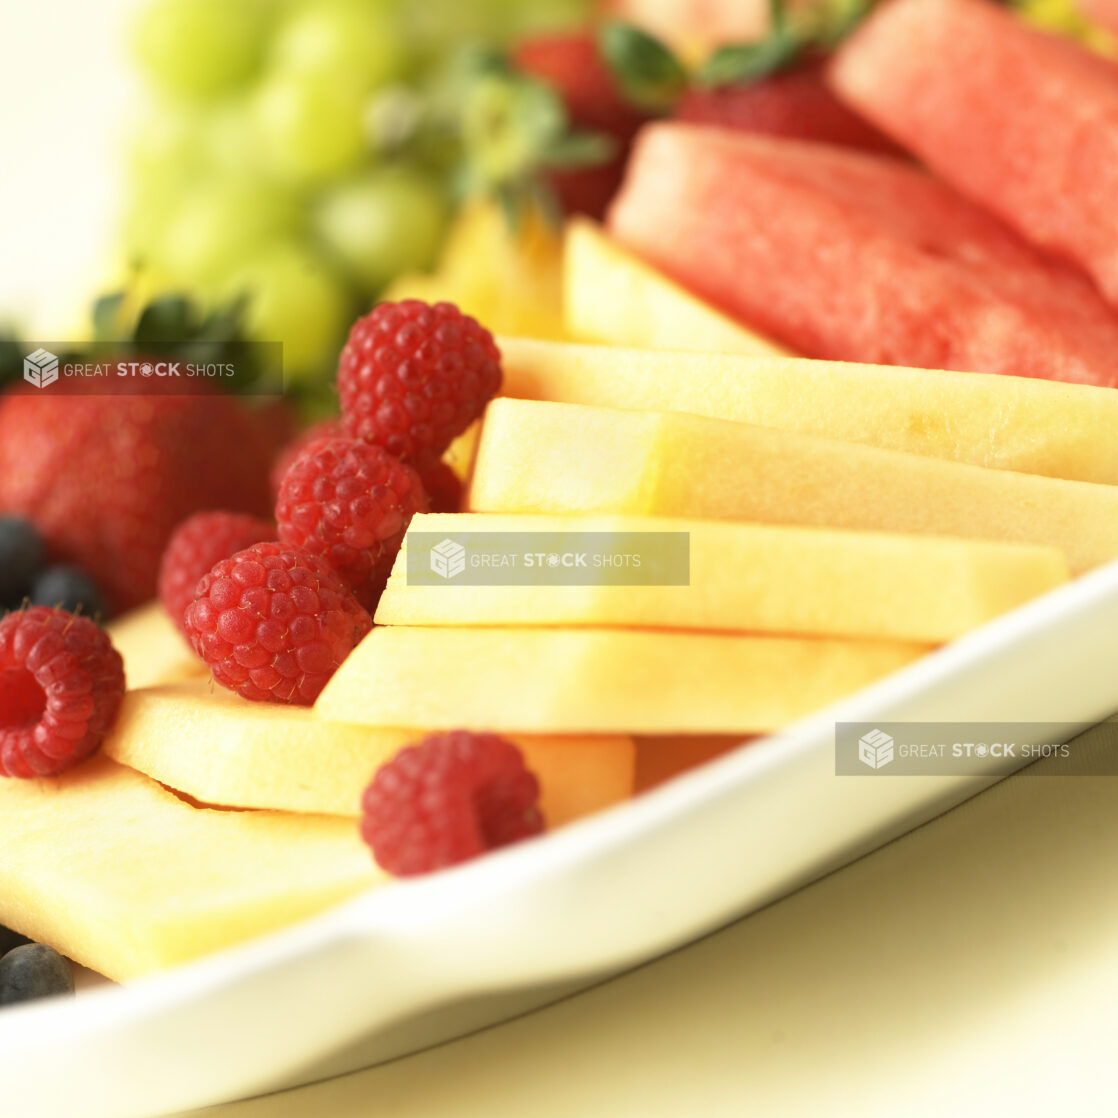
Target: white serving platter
x,y
420,961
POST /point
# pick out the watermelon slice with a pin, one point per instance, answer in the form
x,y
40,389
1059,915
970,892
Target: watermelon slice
x,y
1104,12
1023,122
855,257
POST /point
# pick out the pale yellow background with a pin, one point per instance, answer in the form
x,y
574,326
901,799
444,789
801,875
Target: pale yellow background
x,y
64,92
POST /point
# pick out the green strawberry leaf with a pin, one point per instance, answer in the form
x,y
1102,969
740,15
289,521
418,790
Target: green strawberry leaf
x,y
788,40
223,324
749,62
165,323
579,149
11,358
650,75
507,121
514,128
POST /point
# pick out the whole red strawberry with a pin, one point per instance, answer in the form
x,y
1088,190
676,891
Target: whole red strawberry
x,y
277,423
1103,11
794,104
105,479
572,65
273,623
61,683
350,502
197,544
412,377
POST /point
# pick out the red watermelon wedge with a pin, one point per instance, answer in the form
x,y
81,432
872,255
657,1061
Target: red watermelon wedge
x,y
1023,122
855,257
1104,12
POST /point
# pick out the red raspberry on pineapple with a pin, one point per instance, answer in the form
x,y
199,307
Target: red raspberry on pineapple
x,y
197,544
448,799
61,683
273,623
350,502
412,377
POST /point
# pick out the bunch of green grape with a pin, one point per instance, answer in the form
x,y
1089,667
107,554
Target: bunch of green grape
x,y
277,159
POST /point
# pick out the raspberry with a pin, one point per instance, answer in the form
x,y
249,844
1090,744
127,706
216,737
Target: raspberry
x,y
350,502
196,545
316,433
274,623
442,486
447,799
61,682
412,377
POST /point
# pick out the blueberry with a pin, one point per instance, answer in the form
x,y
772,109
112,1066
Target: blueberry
x,y
10,939
68,588
21,556
33,971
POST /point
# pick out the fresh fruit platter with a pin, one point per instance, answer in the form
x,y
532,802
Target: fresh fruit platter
x,y
834,311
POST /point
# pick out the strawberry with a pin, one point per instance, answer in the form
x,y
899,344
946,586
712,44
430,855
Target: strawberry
x,y
793,103
105,479
278,423
572,65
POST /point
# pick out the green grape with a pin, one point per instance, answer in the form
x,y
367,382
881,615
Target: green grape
x,y
200,49
219,226
310,128
439,26
535,17
357,40
388,221
166,142
164,156
149,208
232,145
297,298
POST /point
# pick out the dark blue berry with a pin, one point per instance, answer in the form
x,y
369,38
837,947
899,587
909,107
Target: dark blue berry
x,y
33,971
67,588
21,556
10,939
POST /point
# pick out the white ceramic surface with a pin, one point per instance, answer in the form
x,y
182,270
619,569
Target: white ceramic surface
x,y
413,963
